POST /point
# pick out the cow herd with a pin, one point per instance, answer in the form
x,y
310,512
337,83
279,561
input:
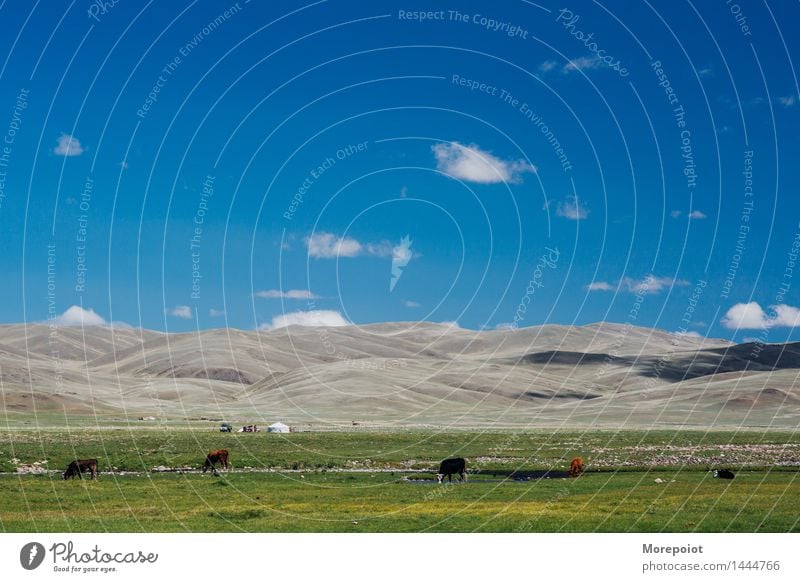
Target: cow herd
x,y
447,468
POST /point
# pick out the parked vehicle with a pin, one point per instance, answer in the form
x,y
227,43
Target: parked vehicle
x,y
226,427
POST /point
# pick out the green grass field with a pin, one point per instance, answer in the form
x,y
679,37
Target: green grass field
x,y
371,481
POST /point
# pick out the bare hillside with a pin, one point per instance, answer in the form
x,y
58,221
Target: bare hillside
x,y
404,374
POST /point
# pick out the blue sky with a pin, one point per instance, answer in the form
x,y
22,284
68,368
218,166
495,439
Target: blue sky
x,y
257,164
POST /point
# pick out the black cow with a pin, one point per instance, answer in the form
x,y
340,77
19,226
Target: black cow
x,y
450,467
724,474
80,466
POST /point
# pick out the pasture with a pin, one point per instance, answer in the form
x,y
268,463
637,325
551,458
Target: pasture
x,y
383,482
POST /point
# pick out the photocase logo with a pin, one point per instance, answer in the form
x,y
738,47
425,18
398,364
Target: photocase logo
x,y
31,555
401,255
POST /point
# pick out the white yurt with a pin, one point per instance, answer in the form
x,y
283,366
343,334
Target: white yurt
x,y
278,427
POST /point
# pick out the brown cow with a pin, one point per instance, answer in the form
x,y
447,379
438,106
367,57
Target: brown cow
x,y
80,466
214,457
575,467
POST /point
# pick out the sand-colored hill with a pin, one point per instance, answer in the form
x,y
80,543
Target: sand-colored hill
x,y
403,374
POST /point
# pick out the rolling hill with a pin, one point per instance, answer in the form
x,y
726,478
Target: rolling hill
x,y
403,374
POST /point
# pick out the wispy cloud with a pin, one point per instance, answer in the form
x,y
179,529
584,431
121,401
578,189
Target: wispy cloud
x,y
582,64
600,286
693,215
182,311
314,318
472,164
68,146
401,256
752,316
216,312
650,285
505,326
325,245
572,208
691,334
412,304
548,66
787,101
380,249
291,294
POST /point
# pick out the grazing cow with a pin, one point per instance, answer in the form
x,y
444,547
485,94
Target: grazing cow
x,y
575,467
450,467
80,466
724,474
214,457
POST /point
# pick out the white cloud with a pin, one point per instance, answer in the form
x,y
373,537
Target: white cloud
x,y
582,63
691,334
325,245
408,303
315,318
505,326
548,66
401,256
752,316
68,146
600,286
77,316
693,215
402,253
381,249
182,311
216,312
291,294
572,208
651,284
745,316
787,101
785,316
451,325
471,164
707,72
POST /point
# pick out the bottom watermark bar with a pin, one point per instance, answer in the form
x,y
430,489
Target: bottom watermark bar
x,y
356,557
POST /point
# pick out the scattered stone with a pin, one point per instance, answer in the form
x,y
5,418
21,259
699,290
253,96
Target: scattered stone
x,y
34,469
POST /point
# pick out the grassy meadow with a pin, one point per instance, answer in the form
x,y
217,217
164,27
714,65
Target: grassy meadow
x,y
383,482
